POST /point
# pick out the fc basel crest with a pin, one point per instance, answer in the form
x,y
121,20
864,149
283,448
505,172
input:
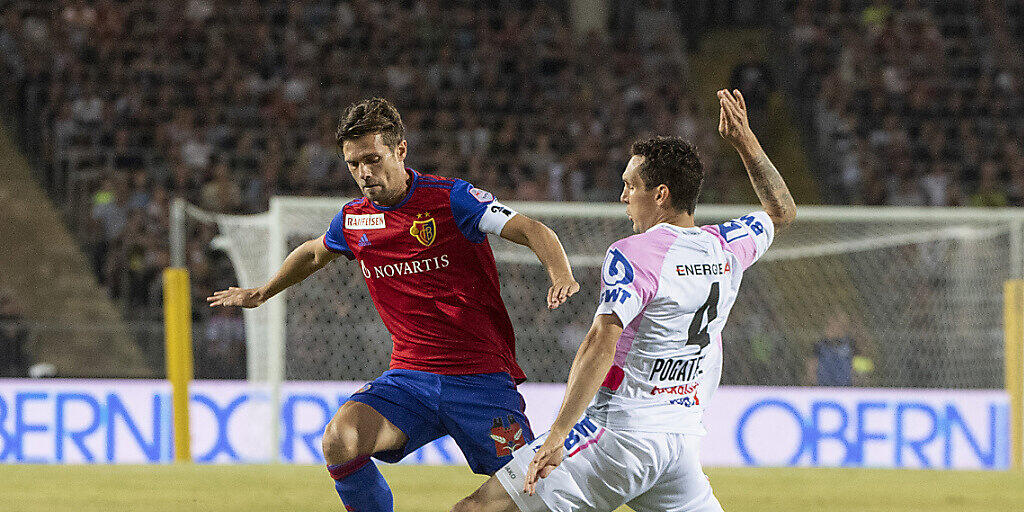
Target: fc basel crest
x,y
424,229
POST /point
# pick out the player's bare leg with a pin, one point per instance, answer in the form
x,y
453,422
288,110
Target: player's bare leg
x,y
354,433
358,430
490,497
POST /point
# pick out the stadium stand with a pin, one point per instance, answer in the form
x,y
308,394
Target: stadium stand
x,y
124,105
916,102
52,310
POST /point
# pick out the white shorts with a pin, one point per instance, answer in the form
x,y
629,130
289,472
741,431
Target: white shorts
x,y
604,469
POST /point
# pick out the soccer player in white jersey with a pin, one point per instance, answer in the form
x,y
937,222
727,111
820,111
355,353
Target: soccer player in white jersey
x,y
653,357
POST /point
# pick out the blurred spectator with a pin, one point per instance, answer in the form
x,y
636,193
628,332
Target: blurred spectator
x,y
832,360
110,215
222,194
875,15
14,360
221,349
989,192
753,78
935,185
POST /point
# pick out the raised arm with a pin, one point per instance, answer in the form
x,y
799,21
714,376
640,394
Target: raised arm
x,y
544,243
307,258
768,183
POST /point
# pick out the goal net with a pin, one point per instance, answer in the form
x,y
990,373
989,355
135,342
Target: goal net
x,y
917,292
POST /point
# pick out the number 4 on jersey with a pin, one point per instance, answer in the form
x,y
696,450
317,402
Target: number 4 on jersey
x,y
698,331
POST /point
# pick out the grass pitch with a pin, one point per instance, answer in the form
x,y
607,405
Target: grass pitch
x,y
417,488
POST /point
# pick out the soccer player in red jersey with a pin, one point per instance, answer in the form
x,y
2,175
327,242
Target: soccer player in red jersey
x,y
421,243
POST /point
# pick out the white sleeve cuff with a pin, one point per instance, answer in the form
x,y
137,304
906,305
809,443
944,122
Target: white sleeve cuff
x,y
495,217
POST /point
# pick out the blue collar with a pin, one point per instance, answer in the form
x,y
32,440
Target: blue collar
x,y
412,187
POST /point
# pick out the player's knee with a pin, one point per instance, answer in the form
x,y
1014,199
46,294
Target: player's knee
x,y
483,500
470,503
341,442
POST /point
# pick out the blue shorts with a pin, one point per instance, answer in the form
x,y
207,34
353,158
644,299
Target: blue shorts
x,y
482,412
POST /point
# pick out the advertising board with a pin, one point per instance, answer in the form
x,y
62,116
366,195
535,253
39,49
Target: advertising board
x,y
121,421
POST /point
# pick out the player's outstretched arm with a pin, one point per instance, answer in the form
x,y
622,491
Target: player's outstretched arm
x,y
589,368
303,261
544,243
768,183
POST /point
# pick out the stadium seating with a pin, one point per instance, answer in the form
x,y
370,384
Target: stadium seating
x,y
915,102
124,105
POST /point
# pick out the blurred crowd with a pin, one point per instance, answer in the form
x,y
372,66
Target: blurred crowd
x,y
126,105
916,102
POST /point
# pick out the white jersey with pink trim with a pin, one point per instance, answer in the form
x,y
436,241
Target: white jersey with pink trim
x,y
672,288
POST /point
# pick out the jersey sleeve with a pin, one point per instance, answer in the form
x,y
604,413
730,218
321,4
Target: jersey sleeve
x,y
627,285
748,237
334,238
477,212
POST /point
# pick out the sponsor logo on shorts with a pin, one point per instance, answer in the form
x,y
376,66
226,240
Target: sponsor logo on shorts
x,y
368,221
510,472
506,438
582,435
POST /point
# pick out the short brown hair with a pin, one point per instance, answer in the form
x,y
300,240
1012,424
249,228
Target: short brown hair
x,y
375,115
674,162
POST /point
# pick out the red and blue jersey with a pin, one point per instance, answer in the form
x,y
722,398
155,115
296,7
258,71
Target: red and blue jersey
x,y
431,274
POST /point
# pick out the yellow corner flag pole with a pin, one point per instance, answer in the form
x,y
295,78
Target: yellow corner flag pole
x,y
178,339
1013,318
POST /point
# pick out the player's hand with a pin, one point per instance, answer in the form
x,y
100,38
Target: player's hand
x,y
234,296
733,125
547,458
560,291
